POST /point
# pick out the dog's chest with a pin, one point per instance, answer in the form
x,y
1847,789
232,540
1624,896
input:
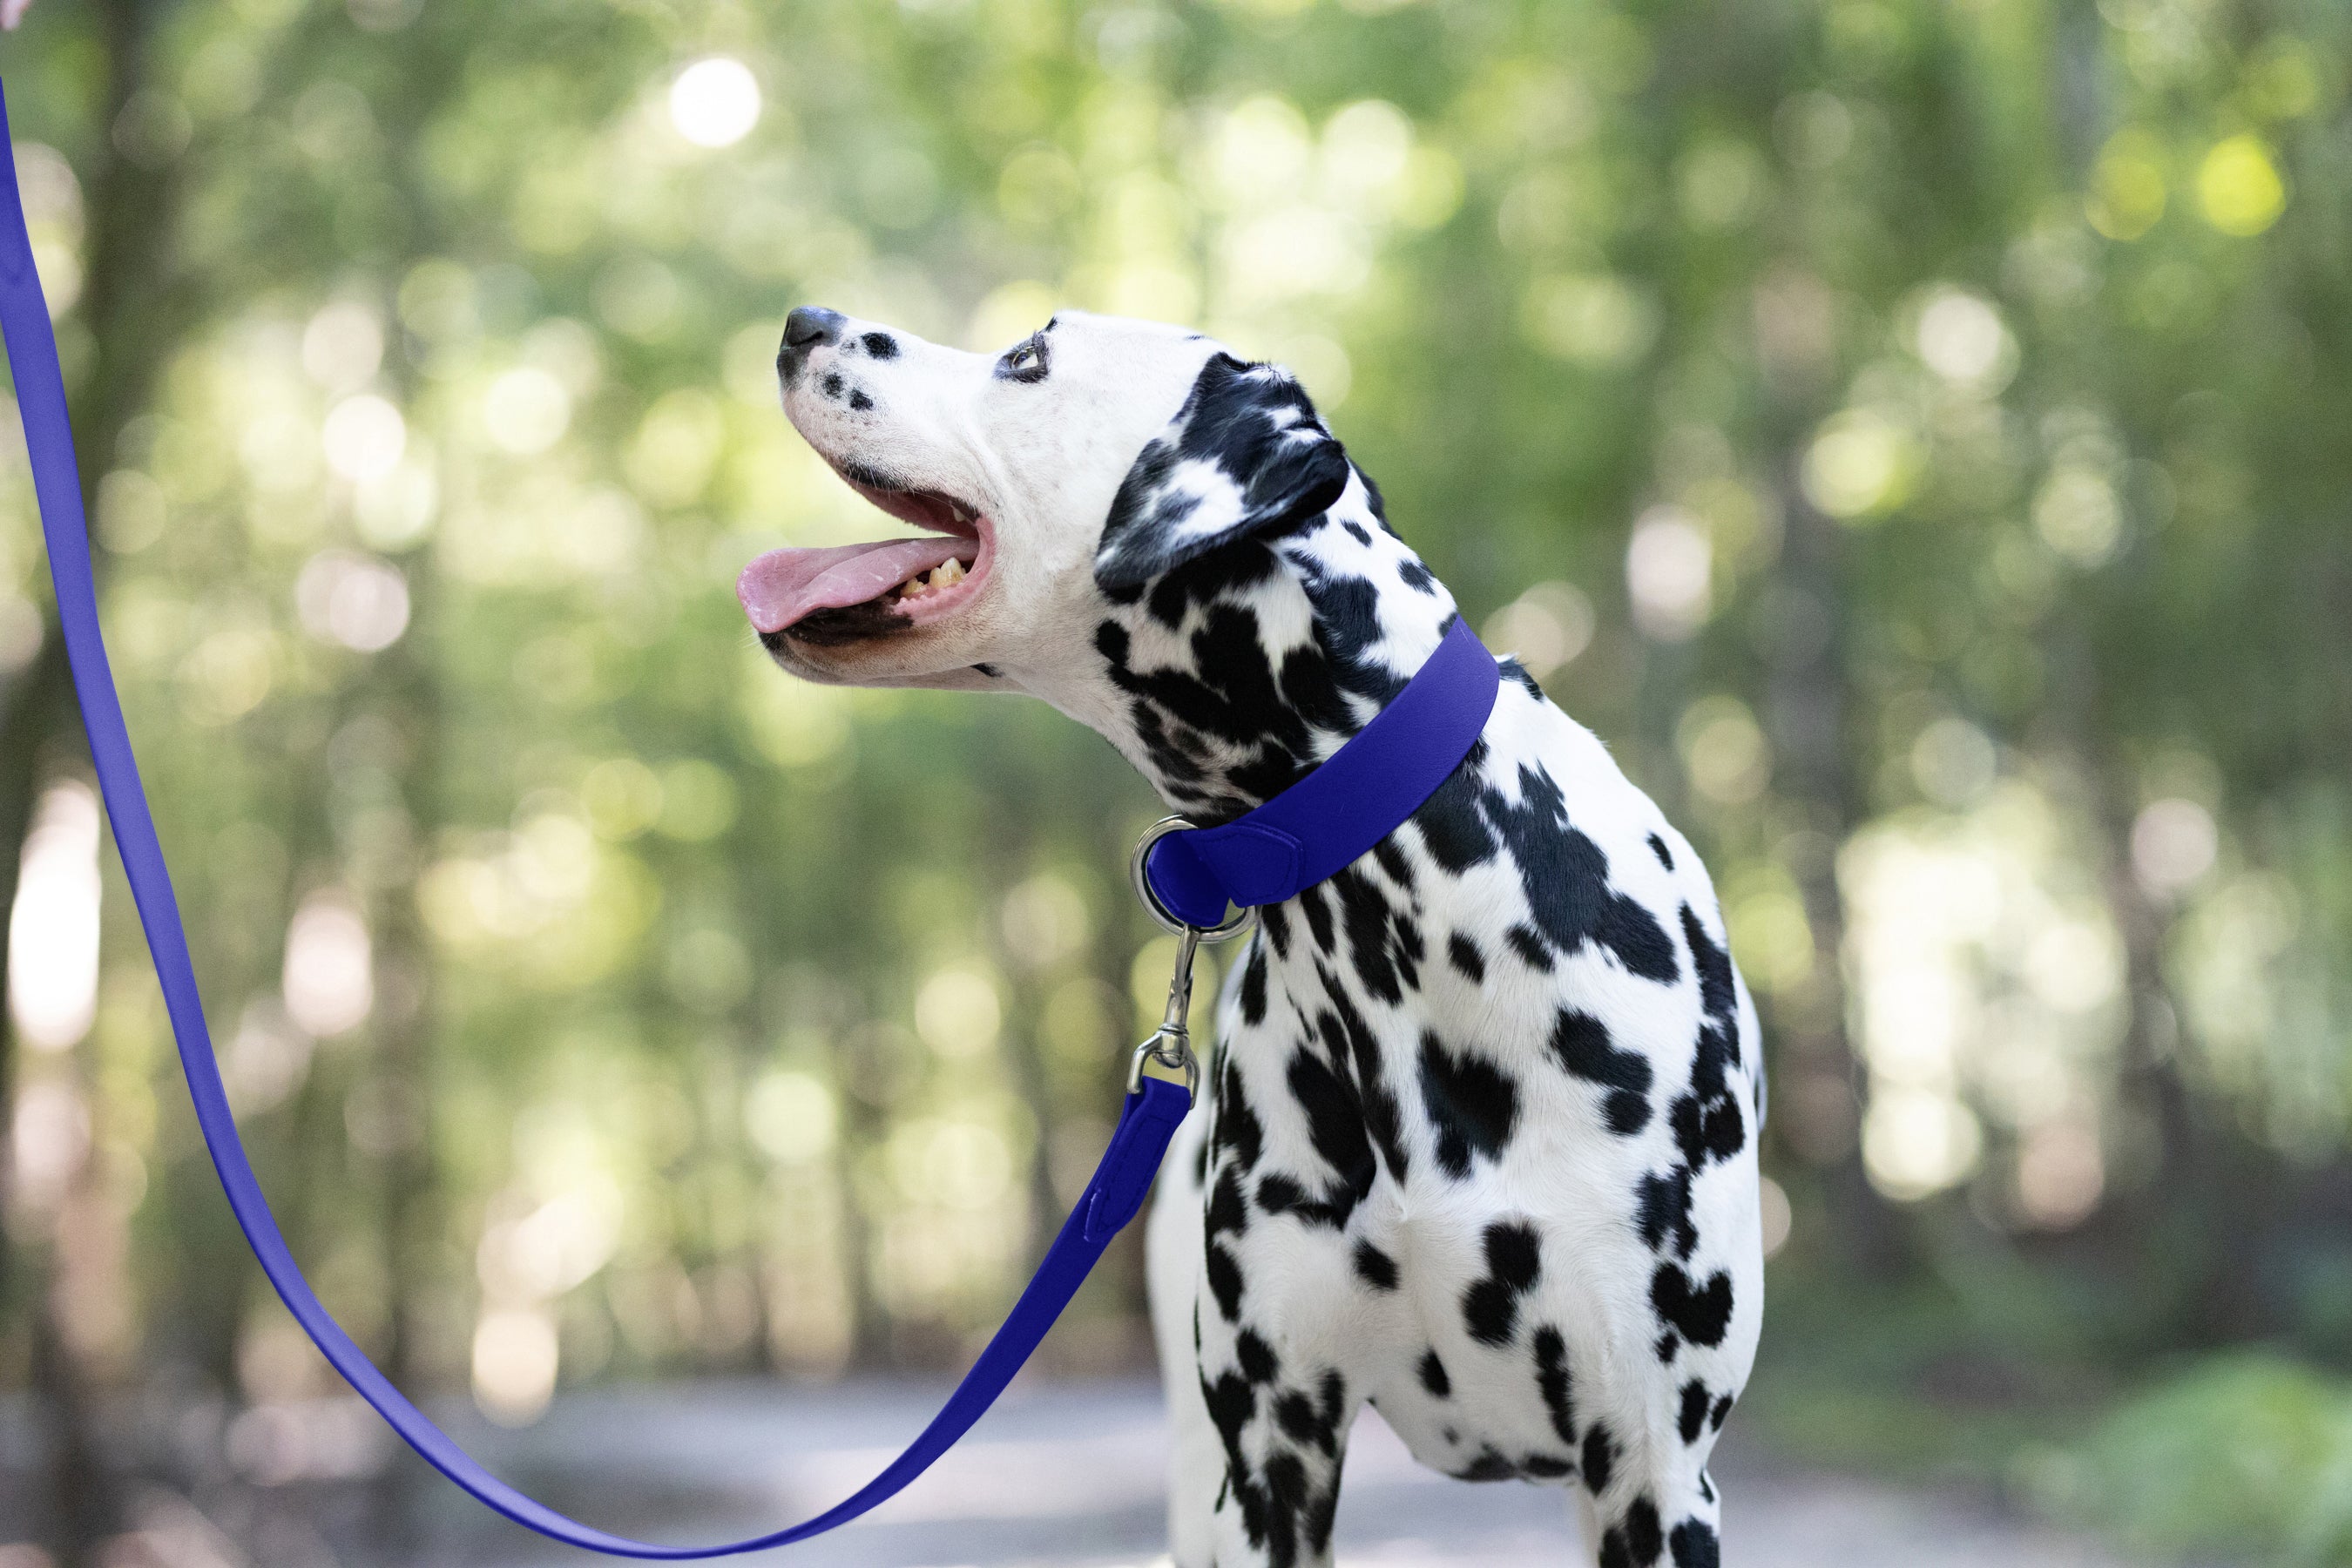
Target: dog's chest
x,y
1449,1081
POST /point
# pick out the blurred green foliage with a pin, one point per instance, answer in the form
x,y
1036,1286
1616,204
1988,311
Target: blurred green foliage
x,y
1911,432
2248,1455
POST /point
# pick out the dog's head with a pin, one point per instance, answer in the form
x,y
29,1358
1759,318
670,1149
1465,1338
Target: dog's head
x,y
1068,470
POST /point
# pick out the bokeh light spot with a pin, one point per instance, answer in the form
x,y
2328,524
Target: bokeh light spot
x,y
715,102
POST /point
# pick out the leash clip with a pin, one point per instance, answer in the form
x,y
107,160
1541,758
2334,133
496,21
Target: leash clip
x,y
1171,1045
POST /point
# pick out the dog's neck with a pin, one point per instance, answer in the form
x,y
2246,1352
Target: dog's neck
x,y
1228,679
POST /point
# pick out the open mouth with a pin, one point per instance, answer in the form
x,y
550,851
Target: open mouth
x,y
848,592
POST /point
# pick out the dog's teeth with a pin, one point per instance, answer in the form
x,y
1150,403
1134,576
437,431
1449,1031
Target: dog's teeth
x,y
945,575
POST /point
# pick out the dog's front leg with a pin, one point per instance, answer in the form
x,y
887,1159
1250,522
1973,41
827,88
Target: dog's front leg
x,y
1280,1419
1258,1439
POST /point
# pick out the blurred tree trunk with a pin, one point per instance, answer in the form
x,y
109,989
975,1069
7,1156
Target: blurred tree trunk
x,y
37,709
128,305
82,1504
1806,714
404,1034
2150,1085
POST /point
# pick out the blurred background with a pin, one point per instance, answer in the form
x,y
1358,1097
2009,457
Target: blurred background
x,y
1912,432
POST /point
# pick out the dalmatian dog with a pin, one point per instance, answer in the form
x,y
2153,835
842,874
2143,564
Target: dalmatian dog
x,y
1480,1148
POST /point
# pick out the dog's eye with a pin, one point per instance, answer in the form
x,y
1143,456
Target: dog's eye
x,y
1025,361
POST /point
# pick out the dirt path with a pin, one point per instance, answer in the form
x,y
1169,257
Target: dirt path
x,y
1070,1478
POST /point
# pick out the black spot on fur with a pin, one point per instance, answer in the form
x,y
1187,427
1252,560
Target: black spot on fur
x,y
1516,674
881,345
1237,1128
1600,1458
1721,1413
1490,1307
1365,913
1298,1416
1464,954
1409,951
1546,1467
1717,995
1375,1267
1635,1540
1276,923
860,402
1228,1213
1488,1465
1391,860
1416,577
1693,1421
1696,1546
1279,1193
832,385
1553,1384
1221,572
1356,1052
1359,532
1224,1277
1347,626
1452,826
1664,1212
1472,1104
1258,1362
1528,944
1335,1125
1582,1045
1658,847
1432,1375
1231,1402
1700,1312
1565,876
987,669
1254,985
1318,917
1706,1118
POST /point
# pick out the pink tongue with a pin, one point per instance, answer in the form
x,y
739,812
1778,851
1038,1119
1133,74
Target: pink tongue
x,y
784,585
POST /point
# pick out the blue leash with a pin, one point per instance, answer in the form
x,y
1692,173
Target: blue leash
x,y
1410,756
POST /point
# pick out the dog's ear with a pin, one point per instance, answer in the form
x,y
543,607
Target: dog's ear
x,y
1245,455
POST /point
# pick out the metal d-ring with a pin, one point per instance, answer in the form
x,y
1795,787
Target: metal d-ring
x,y
1231,926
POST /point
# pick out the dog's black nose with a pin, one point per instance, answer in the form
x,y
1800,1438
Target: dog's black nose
x,y
811,324
803,330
